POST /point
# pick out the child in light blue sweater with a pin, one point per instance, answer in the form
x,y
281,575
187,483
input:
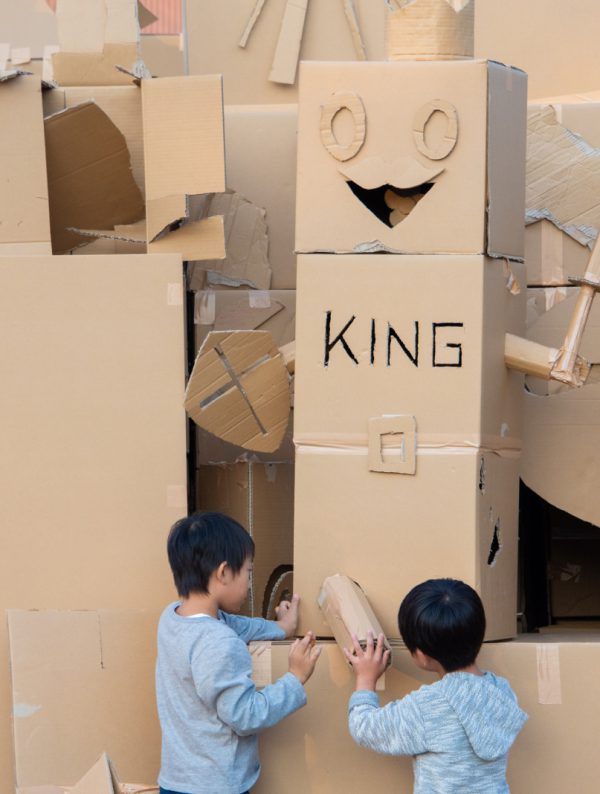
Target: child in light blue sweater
x,y
209,708
458,730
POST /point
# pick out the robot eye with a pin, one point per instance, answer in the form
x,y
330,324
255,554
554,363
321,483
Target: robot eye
x,y
433,142
343,100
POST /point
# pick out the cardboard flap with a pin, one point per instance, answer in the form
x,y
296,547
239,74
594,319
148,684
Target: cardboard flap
x,y
24,209
239,390
563,177
145,16
194,240
90,182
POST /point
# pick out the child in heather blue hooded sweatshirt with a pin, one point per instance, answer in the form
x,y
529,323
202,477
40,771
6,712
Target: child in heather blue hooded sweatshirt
x,y
458,730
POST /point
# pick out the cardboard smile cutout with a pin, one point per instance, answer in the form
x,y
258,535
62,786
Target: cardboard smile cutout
x,y
411,158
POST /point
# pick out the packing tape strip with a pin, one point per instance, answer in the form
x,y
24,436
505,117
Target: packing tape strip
x,y
548,674
205,307
259,299
427,444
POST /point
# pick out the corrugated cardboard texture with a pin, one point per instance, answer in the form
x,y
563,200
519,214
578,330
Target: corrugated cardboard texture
x,y
318,754
260,141
90,181
450,315
431,30
457,516
261,497
524,33
93,375
122,104
83,683
444,149
562,432
177,114
24,209
213,30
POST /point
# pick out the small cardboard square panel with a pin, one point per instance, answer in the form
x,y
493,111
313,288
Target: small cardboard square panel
x,y
239,389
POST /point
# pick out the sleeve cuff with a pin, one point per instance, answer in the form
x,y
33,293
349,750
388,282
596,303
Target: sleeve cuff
x,y
296,687
364,697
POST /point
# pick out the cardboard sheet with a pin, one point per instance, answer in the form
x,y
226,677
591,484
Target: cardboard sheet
x,y
563,177
92,380
70,670
562,431
441,172
25,227
90,181
330,762
214,29
28,23
261,497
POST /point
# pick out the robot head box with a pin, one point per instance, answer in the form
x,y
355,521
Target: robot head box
x,y
411,157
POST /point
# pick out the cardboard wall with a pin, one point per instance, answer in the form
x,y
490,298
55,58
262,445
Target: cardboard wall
x,y
441,172
553,677
261,497
525,33
213,29
93,451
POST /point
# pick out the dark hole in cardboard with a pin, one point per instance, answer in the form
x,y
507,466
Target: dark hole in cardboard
x,y
390,205
482,476
281,575
495,544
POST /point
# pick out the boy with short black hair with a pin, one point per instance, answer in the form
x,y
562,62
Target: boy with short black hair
x,y
458,730
209,708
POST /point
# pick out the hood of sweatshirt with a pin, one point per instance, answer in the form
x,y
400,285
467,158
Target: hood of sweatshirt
x,y
487,709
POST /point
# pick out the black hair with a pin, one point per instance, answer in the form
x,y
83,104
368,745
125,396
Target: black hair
x,y
445,619
198,544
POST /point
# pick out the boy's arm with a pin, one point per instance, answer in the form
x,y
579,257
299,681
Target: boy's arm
x,y
249,629
395,729
227,677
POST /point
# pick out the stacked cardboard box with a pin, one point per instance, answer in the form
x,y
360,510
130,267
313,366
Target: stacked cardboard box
x,y
407,422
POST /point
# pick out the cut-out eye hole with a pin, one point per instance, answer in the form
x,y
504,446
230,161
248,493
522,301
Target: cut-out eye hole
x,y
350,101
443,144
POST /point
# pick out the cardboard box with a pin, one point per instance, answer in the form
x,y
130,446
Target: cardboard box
x,y
25,227
273,311
554,678
524,33
260,141
213,31
260,496
442,171
561,431
552,256
575,578
71,672
419,344
93,377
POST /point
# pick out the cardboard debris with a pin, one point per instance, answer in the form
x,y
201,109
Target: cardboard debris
x,y
70,666
25,227
431,177
214,30
261,497
90,182
562,431
239,389
347,611
431,30
246,260
94,38
563,177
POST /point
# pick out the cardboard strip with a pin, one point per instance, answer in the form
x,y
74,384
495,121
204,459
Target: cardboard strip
x,y
352,19
258,7
402,430
548,674
285,61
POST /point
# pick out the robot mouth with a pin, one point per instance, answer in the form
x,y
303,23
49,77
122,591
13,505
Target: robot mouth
x,y
389,204
390,191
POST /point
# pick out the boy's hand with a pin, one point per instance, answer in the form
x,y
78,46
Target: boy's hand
x,y
303,657
287,615
369,664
